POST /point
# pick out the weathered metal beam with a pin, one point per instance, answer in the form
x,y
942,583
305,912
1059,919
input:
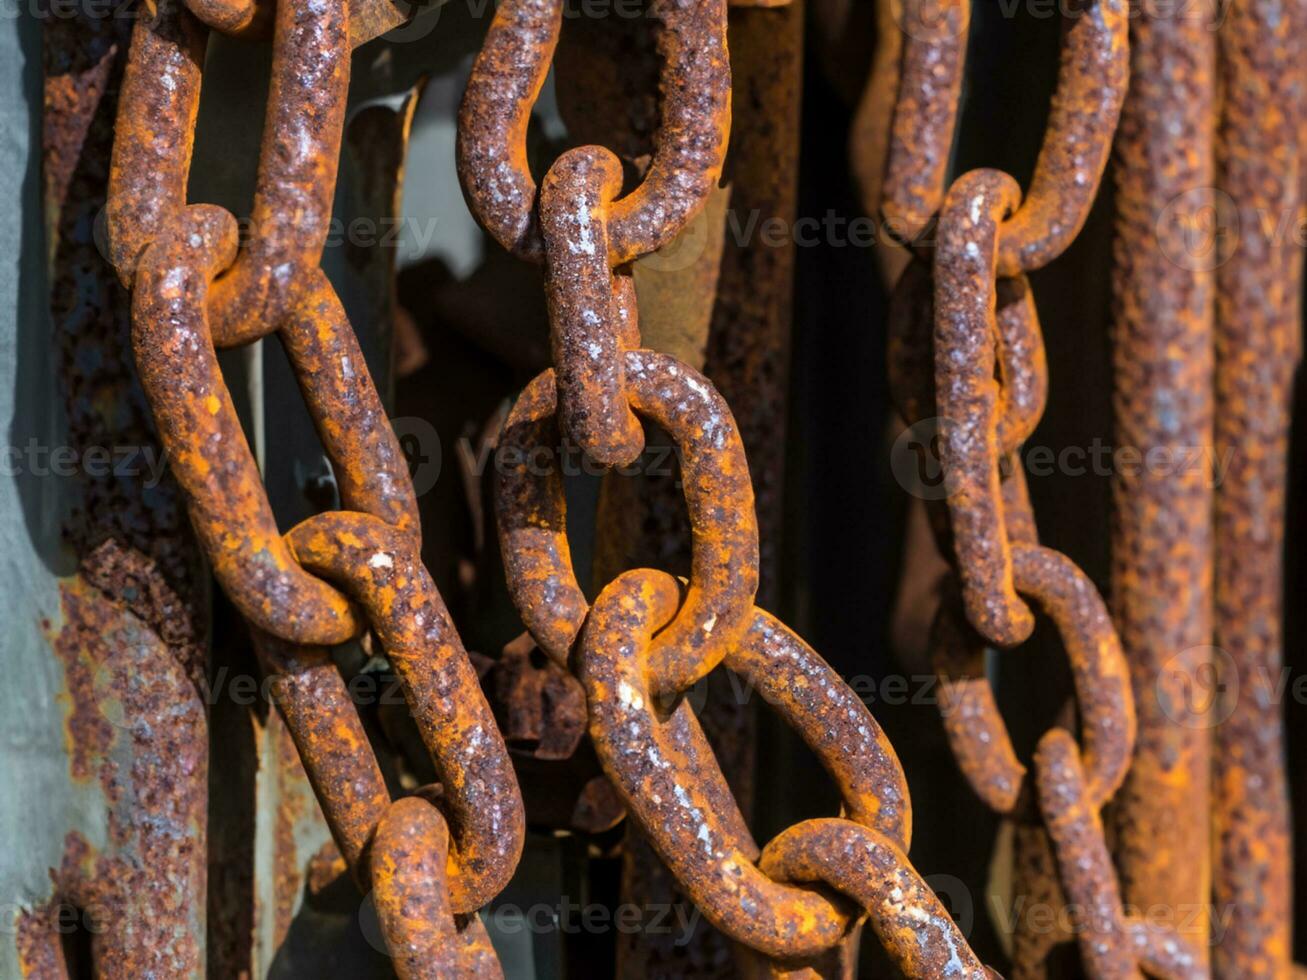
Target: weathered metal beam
x,y
1161,584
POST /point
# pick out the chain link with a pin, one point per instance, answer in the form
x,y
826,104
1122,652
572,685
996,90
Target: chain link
x,y
965,349
962,329
194,291
648,638
965,346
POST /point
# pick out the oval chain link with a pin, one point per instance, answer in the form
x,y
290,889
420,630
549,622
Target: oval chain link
x,y
647,639
965,346
193,292
907,180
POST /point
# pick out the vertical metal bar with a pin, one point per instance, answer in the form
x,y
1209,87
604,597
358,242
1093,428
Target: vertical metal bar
x,y
1161,576
1259,288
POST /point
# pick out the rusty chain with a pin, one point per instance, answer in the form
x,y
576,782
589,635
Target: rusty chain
x,y
648,638
427,858
966,350
966,347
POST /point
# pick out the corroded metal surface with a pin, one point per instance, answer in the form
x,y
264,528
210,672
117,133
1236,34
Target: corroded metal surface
x,y
915,928
976,731
966,398
229,509
747,356
1088,879
134,538
542,705
380,567
1112,943
1081,120
933,50
721,303
966,354
129,637
152,143
533,519
296,177
1258,344
693,822
312,697
869,136
645,641
505,81
1161,545
965,346
413,903
905,126
589,320
194,290
136,727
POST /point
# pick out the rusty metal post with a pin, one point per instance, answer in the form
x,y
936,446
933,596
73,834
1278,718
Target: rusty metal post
x,y
1258,308
1161,583
749,339
110,859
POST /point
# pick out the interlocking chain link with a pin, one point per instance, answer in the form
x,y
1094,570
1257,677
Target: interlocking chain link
x,y
581,231
965,349
332,576
648,638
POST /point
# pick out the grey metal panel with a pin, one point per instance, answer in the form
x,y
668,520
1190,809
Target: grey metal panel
x,y
36,797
